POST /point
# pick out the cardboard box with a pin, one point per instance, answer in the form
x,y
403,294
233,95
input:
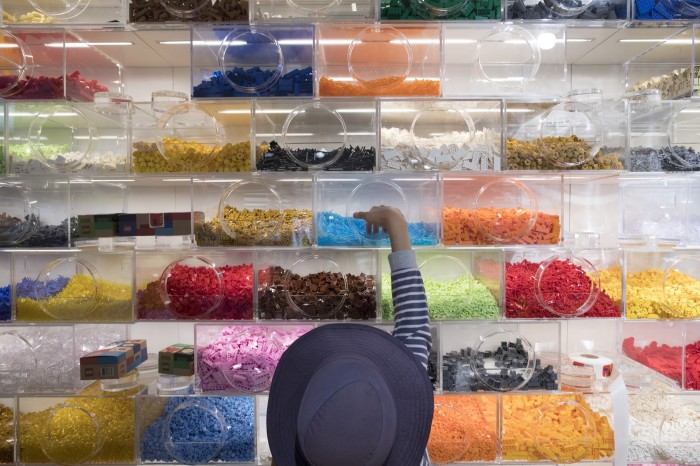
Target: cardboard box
x,y
114,361
177,359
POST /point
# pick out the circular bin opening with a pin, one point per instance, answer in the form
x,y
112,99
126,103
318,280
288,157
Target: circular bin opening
x,y
249,360
509,57
314,7
250,212
555,438
503,360
162,101
569,9
440,8
60,300
17,217
571,134
251,59
679,434
16,64
314,135
590,96
449,439
191,287
18,361
506,210
60,9
369,194
570,297
195,432
63,126
72,435
316,288
680,286
188,136
185,9
380,58
684,140
113,103
442,136
451,286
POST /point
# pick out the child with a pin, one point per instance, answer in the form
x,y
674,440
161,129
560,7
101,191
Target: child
x,y
352,395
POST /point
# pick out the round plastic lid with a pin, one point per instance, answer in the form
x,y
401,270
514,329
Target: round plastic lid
x,y
60,9
442,136
187,135
503,350
509,57
567,8
251,59
441,9
163,100
62,125
449,440
507,210
250,211
185,9
571,134
589,96
16,64
571,296
679,434
18,359
316,287
188,446
314,135
369,194
684,140
72,435
112,103
66,307
380,58
17,216
678,292
455,277
556,440
182,287
249,369
314,7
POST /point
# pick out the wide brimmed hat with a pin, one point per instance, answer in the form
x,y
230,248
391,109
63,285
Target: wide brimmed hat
x,y
349,380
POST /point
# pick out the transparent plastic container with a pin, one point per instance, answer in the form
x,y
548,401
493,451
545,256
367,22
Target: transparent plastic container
x,y
274,11
505,60
679,439
157,11
205,429
8,409
339,196
3,143
657,345
256,210
354,60
38,65
241,359
5,287
95,12
441,135
188,285
323,285
252,61
458,10
74,286
498,357
497,210
70,138
596,11
76,430
664,10
333,135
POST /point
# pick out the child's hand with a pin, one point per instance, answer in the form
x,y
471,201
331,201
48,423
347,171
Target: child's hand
x,y
389,219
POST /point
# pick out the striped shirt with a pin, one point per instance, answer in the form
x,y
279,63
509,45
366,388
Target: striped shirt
x,y
411,318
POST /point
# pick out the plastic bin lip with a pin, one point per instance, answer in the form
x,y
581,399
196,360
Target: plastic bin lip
x,y
313,8
215,445
332,116
21,66
60,10
177,9
47,440
205,303
358,68
354,204
489,70
333,268
87,303
434,157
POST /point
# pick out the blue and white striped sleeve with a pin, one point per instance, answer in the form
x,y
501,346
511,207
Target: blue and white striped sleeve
x,y
411,318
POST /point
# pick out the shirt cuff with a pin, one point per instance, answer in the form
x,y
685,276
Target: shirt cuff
x,y
404,259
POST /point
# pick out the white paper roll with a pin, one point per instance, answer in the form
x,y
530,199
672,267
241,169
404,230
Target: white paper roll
x,y
602,366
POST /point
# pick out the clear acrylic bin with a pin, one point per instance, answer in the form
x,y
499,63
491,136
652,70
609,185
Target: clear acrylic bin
x,y
464,429
505,60
498,356
592,210
441,135
3,142
333,135
81,286
70,137
658,345
158,11
257,210
241,359
252,61
39,65
590,358
665,10
173,134
305,284
34,213
608,12
8,408
354,60
273,11
498,210
76,430
45,359
458,10
459,284
95,12
189,285
560,428
196,430
339,196
5,286
563,283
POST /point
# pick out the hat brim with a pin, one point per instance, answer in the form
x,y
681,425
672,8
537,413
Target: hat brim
x,y
406,377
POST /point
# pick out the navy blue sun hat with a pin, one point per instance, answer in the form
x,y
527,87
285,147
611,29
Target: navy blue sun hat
x,y
349,395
